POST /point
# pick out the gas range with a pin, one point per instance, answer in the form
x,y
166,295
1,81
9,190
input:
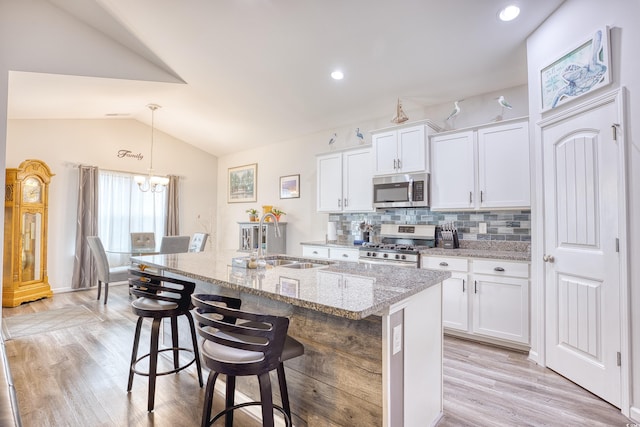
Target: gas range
x,y
400,244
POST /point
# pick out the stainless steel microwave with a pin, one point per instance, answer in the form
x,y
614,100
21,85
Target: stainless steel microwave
x,y
401,191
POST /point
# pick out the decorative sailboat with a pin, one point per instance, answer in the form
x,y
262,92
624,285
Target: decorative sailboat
x,y
400,117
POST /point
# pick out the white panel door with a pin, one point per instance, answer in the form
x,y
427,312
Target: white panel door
x,y
357,185
455,302
582,287
503,166
385,149
412,150
501,307
330,183
453,172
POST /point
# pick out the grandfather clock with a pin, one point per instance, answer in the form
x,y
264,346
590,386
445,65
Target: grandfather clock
x,y
26,199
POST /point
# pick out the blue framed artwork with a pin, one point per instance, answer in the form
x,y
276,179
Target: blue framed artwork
x,y
580,71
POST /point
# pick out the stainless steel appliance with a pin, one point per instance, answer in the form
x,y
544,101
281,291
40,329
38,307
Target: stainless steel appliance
x,y
401,191
400,245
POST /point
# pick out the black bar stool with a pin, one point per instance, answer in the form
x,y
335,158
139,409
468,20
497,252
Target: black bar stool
x,y
161,297
238,343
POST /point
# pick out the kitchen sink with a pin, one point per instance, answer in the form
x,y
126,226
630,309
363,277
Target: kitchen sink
x,y
300,265
280,262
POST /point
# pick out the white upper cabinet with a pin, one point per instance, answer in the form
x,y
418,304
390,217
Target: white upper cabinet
x,y
345,181
503,166
484,168
453,171
402,150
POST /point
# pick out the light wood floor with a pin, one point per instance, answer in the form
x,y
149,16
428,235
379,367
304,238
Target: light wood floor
x,y
78,376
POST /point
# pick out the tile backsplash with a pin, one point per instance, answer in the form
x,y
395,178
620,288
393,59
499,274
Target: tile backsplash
x,y
510,225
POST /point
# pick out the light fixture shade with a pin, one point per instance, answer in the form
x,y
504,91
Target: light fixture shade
x,y
159,180
139,179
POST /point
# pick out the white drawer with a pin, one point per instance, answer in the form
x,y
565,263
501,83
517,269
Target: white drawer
x,y
444,263
315,252
344,254
501,268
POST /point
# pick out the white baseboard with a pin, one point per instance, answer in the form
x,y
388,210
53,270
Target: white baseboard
x,y
634,414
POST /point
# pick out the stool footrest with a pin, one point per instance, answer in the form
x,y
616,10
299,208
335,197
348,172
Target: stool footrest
x,y
178,369
287,420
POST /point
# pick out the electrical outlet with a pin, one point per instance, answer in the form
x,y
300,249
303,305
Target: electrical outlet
x,y
397,339
482,228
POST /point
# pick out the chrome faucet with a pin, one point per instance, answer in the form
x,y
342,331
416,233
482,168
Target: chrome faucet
x,y
262,252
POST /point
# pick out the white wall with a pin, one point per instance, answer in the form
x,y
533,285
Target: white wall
x,y
298,156
573,22
63,144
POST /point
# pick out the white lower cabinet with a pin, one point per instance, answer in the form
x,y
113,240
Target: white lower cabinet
x,y
485,298
329,252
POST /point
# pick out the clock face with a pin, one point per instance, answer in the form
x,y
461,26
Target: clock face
x,y
32,191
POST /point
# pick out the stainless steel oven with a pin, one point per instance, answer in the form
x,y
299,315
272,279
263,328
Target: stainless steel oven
x,y
400,245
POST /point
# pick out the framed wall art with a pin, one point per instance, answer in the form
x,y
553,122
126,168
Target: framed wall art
x,y
290,187
242,184
583,69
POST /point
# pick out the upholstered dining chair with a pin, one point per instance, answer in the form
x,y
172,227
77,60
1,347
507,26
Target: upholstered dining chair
x,y
106,274
143,241
174,244
198,241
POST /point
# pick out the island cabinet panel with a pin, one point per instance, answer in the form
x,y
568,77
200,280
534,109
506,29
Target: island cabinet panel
x,y
338,381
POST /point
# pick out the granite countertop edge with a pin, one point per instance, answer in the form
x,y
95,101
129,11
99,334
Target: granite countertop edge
x,y
393,294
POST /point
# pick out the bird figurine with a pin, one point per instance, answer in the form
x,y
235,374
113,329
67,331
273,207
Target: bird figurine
x,y
503,102
456,110
359,135
333,138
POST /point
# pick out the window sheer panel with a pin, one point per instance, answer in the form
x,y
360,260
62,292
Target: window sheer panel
x,y
123,209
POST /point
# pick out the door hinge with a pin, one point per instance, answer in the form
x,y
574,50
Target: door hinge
x,y
617,244
614,129
619,359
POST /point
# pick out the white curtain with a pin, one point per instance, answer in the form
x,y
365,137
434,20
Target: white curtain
x,y
124,209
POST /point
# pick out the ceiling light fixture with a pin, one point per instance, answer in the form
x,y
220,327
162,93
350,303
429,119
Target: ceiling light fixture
x,y
337,75
150,182
509,13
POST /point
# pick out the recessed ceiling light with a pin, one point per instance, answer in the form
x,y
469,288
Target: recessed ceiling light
x,y
509,13
337,75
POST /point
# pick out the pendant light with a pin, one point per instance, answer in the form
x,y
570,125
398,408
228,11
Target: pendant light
x,y
151,182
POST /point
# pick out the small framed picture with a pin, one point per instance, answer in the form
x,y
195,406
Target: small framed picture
x,y
289,287
290,187
242,185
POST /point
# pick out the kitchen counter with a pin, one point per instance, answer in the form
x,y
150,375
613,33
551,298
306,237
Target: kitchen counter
x,y
513,251
372,334
379,286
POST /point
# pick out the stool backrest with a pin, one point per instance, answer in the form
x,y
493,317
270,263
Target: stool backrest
x,y
161,288
143,240
218,321
174,244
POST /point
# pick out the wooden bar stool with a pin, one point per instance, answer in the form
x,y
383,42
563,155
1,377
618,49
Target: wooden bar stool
x,y
239,343
161,297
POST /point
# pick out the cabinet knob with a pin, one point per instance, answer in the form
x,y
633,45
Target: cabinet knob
x,y
345,256
444,264
498,269
315,252
548,258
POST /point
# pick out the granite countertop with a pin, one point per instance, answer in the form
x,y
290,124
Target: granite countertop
x,y
364,290
512,251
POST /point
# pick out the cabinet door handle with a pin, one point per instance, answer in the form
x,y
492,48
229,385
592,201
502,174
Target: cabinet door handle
x,y
498,269
315,252
481,196
444,264
339,203
346,202
463,289
475,286
399,164
470,197
395,164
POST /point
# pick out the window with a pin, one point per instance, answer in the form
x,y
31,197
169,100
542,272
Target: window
x,y
123,209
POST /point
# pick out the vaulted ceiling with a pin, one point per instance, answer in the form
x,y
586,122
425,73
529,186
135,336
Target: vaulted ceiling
x,y
251,72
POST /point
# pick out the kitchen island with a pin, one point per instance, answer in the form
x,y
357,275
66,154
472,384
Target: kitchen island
x,y
372,334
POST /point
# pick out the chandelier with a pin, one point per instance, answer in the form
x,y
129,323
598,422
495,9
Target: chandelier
x,y
151,182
